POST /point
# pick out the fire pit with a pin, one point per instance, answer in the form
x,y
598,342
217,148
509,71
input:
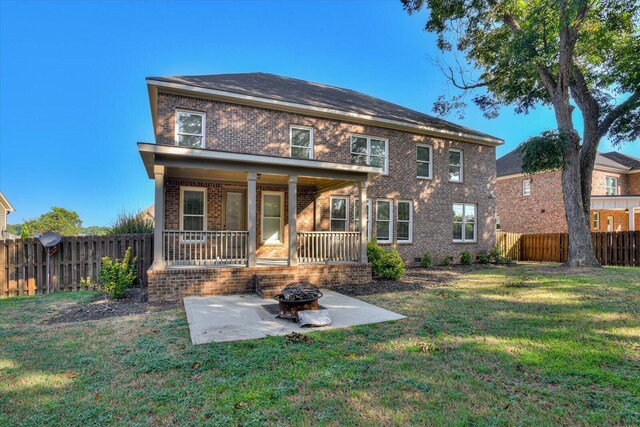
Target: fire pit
x,y
296,297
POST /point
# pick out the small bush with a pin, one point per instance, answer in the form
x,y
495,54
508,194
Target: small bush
x,y
465,258
503,260
494,254
116,277
447,260
131,223
386,264
426,260
483,259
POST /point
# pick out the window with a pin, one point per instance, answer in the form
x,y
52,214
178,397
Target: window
x,y
384,233
356,216
611,186
526,187
404,221
193,210
455,165
596,220
301,140
272,216
366,150
339,213
424,155
609,223
190,129
464,222
498,223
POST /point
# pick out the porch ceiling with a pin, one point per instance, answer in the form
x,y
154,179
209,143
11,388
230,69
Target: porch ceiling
x,y
615,202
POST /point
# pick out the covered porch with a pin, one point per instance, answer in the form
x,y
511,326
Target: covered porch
x,y
616,213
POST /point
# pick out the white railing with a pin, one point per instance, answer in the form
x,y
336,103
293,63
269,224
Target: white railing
x,y
204,247
323,246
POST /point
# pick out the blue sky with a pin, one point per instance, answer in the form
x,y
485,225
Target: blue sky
x,y
73,99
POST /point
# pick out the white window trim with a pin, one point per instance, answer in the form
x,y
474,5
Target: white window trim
x,y
278,193
204,126
356,214
525,187
369,138
345,219
607,186
457,150
596,220
390,220
410,240
204,212
475,223
610,224
311,150
430,161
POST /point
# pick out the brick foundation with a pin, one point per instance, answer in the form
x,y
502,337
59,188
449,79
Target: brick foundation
x,y
170,283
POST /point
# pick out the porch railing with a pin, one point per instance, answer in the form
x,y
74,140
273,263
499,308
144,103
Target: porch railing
x,y
323,246
204,247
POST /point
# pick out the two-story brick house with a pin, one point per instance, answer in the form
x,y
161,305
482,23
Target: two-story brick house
x,y
534,204
257,174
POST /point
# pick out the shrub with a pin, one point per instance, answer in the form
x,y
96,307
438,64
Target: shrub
x,y
386,264
447,260
483,259
426,260
494,254
131,223
465,258
116,277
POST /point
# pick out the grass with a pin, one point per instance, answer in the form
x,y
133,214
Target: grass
x,y
511,345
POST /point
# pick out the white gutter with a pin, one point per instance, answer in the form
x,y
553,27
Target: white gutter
x,y
288,106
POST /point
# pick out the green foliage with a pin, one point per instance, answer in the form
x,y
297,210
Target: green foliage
x,y
495,256
59,220
446,261
385,264
116,277
25,231
466,258
131,223
426,260
483,259
543,153
95,230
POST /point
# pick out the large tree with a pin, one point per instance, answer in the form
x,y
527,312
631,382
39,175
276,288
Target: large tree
x,y
557,53
60,220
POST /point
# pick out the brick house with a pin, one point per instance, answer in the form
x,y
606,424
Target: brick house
x,y
257,174
534,204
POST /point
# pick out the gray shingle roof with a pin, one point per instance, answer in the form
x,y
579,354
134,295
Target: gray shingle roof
x,y
511,163
303,92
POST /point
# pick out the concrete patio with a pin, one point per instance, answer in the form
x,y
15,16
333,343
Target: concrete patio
x,y
243,317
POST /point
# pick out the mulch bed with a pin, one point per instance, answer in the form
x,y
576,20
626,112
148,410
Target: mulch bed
x,y
135,302
414,279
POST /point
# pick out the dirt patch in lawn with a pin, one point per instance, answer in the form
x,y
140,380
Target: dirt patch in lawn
x,y
136,302
414,279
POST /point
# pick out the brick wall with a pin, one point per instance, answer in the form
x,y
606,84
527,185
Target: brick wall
x,y
599,180
263,131
620,219
633,184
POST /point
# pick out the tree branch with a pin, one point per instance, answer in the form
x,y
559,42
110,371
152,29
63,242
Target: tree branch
x,y
630,104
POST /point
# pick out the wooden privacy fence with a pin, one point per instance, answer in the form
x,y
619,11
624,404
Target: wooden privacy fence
x,y
611,248
23,263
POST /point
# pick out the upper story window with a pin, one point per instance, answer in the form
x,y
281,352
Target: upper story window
x,y
301,141
424,157
456,162
464,222
339,213
526,187
370,151
190,129
611,186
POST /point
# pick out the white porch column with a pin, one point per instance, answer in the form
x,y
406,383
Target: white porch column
x,y
251,218
632,219
293,229
158,241
362,187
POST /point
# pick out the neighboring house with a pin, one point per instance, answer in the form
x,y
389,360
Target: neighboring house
x,y
534,204
5,209
257,174
148,213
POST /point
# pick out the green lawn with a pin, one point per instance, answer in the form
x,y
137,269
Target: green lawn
x,y
512,345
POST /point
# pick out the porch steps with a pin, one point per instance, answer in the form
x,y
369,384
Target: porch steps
x,y
268,285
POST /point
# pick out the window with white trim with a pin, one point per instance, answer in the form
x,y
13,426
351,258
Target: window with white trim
x,y
366,150
356,216
611,186
301,141
456,162
526,187
384,214
596,220
339,213
404,221
193,209
464,222
190,127
609,223
271,224
424,157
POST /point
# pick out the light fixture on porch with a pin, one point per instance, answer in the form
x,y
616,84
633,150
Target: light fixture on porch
x,y
627,210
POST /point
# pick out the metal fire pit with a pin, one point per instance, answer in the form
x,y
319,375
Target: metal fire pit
x,y
296,297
